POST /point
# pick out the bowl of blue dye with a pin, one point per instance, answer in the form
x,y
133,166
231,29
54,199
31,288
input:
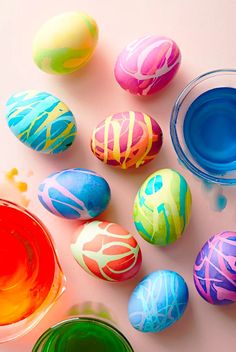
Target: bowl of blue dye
x,y
203,127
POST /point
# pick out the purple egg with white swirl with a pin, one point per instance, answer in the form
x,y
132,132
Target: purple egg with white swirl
x,y
147,65
215,269
75,194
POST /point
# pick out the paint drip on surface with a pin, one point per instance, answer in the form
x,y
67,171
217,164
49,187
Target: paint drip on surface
x,y
12,189
215,193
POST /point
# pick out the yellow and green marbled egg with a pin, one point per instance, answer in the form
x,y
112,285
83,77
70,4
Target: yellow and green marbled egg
x,y
162,207
65,43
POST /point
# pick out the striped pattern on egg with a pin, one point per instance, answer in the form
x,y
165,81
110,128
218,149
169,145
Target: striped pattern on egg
x,y
162,207
41,121
147,65
75,194
158,301
127,139
215,269
107,251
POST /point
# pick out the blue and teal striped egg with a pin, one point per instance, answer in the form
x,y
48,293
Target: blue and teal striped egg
x,y
158,301
41,121
162,207
75,194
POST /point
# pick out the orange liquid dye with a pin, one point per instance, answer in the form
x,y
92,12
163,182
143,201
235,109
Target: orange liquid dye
x,y
27,264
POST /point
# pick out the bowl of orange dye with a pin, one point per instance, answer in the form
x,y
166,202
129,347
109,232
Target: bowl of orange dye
x,y
31,279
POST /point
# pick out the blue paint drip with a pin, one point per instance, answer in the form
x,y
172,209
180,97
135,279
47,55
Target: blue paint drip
x,y
210,130
221,202
208,186
215,193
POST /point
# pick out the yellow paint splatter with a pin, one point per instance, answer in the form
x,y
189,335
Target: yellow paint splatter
x,y
13,190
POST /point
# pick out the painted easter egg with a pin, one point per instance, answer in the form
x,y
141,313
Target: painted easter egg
x,y
107,251
65,43
127,139
162,207
215,269
147,65
158,301
41,121
75,194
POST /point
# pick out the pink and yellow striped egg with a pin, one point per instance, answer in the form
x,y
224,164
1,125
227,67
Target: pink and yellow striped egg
x,y
147,65
107,251
127,139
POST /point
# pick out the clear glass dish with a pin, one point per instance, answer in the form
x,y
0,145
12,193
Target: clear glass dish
x,y
201,84
88,327
31,278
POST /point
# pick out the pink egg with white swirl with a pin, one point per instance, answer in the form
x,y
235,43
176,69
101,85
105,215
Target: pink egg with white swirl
x,y
215,269
147,65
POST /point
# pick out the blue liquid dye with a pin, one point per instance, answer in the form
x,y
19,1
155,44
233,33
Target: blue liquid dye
x,y
210,130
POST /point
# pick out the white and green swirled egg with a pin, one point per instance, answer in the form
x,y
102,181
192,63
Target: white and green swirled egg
x,y
162,207
41,121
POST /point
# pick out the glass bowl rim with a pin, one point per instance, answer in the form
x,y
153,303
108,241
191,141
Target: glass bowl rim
x,y
174,135
82,318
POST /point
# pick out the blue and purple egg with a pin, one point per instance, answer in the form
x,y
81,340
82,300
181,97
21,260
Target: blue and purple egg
x,y
75,194
215,269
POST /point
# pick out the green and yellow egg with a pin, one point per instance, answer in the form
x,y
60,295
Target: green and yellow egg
x,y
162,207
65,43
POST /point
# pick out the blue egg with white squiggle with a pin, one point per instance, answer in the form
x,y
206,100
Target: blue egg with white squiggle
x,y
75,194
41,121
158,301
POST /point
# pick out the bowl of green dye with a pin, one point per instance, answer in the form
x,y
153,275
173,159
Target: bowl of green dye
x,y
82,334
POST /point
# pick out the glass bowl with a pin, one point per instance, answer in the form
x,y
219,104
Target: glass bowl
x,y
87,327
31,278
201,84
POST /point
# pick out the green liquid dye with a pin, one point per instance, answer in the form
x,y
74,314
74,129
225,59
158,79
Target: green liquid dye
x,y
82,335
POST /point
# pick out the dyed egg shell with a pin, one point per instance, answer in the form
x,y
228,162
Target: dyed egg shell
x,y
75,194
65,43
158,301
127,139
41,121
147,65
107,251
215,269
162,207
